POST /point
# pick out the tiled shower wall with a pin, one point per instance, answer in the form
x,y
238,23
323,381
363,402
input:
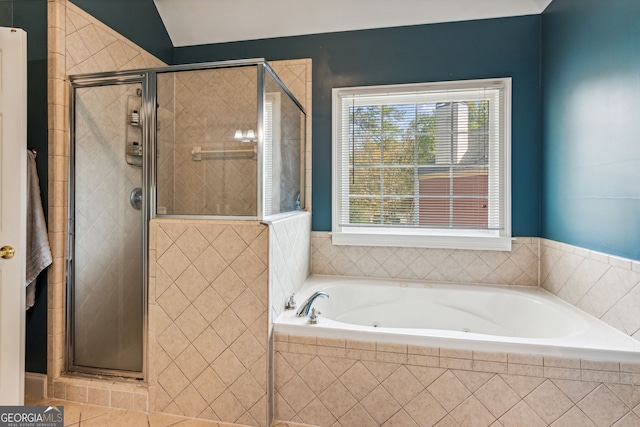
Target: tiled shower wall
x,y
296,75
209,106
77,43
204,108
165,168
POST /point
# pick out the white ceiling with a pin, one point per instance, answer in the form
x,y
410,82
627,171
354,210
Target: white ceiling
x,y
195,22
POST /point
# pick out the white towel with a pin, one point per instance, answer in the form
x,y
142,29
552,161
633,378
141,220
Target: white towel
x,y
38,250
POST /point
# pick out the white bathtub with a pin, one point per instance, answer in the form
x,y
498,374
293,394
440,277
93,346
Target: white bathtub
x,y
505,319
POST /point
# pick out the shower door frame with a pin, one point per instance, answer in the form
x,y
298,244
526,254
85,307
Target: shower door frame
x,y
148,114
149,102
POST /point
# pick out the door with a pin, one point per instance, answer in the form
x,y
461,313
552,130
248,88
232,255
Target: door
x,y
107,282
13,202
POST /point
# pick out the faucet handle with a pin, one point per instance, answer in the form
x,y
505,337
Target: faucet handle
x,y
291,303
313,317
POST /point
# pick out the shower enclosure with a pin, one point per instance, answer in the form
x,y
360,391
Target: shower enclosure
x,y
218,140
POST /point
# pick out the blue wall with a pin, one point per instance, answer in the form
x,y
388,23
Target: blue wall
x,y
591,125
508,47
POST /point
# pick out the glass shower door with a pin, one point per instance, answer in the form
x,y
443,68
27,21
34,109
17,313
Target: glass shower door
x,y
106,269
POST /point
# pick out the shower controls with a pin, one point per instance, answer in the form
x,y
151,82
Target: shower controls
x,y
135,149
133,141
136,198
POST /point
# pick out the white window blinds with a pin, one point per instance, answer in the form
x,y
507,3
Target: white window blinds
x,y
430,157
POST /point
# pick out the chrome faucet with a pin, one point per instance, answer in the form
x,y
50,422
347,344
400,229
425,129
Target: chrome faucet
x,y
306,306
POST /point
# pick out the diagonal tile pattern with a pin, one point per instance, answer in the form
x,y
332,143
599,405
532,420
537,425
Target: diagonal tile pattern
x,y
604,286
78,43
215,340
290,259
518,267
204,108
361,389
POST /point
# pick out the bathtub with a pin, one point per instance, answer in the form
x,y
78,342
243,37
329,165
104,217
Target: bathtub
x,y
502,319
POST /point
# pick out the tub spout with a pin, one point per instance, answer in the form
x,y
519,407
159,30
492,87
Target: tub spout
x,y
306,306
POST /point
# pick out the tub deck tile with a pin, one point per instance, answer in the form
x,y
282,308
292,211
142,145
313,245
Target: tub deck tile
x,y
450,363
382,356
495,367
331,351
525,359
424,351
361,345
302,348
302,339
414,359
600,366
562,373
360,354
629,378
525,370
331,342
601,376
456,353
630,367
391,347
490,357
558,362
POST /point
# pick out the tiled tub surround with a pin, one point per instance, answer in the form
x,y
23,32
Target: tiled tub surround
x,y
518,267
485,318
391,384
289,258
336,382
289,267
604,286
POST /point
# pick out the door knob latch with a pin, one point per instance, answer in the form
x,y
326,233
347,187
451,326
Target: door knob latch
x,y
7,252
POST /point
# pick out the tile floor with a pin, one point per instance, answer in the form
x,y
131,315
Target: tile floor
x,y
83,415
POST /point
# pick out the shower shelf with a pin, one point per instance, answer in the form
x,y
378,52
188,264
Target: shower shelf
x,y
197,152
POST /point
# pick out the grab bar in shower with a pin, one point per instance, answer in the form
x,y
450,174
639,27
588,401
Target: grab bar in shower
x,y
197,152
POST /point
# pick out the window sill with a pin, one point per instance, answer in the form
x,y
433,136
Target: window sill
x,y
412,239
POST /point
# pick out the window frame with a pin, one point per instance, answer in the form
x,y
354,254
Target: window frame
x,y
420,236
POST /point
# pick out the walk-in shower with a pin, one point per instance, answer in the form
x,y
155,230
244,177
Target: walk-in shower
x,y
218,140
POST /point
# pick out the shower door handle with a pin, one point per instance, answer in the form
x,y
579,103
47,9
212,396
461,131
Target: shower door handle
x,y
136,198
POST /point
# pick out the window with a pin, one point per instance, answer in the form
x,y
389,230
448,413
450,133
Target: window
x,y
423,165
